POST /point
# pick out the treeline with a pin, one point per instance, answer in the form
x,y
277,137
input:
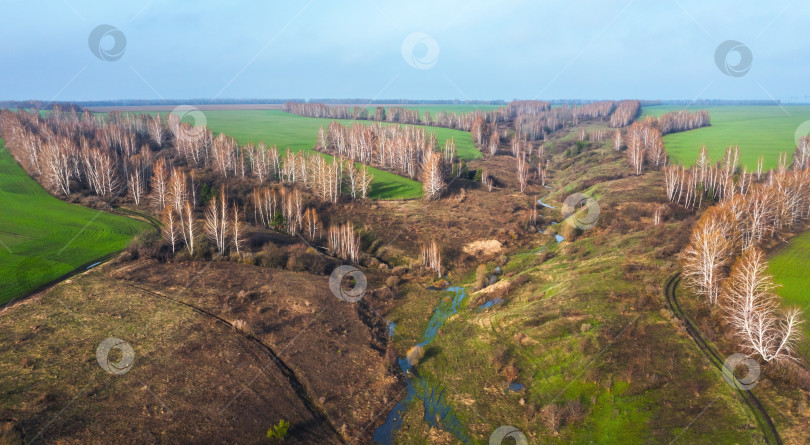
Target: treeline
x,y
459,121
536,125
407,101
645,144
531,107
710,102
79,105
39,105
134,157
626,112
720,181
676,121
408,151
724,264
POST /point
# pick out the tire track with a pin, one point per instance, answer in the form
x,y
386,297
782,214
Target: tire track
x,y
763,419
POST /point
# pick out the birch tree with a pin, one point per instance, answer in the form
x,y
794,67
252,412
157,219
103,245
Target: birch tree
x,y
753,310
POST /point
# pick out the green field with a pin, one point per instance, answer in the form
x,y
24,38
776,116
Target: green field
x,y
300,133
43,238
758,130
790,268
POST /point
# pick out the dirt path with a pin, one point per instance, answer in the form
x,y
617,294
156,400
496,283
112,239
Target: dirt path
x,y
763,418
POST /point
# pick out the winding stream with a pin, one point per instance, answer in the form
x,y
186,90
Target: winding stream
x,y
437,411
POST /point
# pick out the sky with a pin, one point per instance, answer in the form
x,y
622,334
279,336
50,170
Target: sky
x,y
376,49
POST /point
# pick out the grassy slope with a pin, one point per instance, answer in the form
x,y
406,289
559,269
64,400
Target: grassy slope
x,y
299,133
633,386
758,130
44,238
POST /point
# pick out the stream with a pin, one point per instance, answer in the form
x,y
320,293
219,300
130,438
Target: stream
x,y
437,411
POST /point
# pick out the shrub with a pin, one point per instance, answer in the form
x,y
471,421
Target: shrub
x,y
304,259
279,431
392,281
271,256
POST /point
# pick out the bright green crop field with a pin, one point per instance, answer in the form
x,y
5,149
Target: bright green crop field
x,y
275,127
790,268
43,238
758,130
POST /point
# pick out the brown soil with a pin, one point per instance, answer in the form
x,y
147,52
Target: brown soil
x,y
222,352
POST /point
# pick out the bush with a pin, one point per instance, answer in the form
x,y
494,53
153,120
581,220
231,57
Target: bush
x,y
279,431
392,281
146,245
303,259
271,256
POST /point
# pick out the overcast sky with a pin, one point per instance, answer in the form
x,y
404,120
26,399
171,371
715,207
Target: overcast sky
x,y
412,49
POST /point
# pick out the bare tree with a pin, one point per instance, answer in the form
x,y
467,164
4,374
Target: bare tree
x,y
343,242
177,189
366,179
236,224
494,141
486,180
753,310
432,258
522,171
156,129
433,176
171,228
706,255
617,140
312,223
216,220
189,227
160,183
136,186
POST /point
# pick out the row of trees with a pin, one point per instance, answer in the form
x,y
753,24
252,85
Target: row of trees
x,y
459,121
625,113
408,151
71,152
118,155
530,107
711,181
723,263
538,124
676,121
645,147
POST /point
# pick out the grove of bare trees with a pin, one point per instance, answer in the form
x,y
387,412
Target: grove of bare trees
x,y
723,261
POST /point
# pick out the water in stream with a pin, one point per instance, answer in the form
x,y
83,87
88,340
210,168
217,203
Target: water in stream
x,y
437,411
